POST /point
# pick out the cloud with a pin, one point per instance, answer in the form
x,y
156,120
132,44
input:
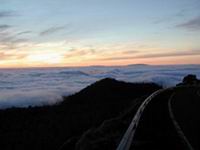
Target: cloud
x,y
24,32
36,87
171,54
9,38
6,37
130,52
4,27
192,25
18,98
4,56
4,14
10,42
157,55
171,18
52,30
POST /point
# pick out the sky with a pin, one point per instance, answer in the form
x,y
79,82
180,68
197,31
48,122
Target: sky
x,y
49,33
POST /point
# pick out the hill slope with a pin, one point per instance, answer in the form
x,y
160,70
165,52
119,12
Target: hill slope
x,y
49,127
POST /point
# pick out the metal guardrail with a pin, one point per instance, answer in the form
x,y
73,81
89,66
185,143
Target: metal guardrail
x,y
126,141
129,134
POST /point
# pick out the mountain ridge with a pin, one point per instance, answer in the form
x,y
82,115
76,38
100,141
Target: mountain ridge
x,y
21,128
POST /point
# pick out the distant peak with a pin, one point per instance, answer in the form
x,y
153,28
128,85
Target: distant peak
x,y
107,80
138,65
190,79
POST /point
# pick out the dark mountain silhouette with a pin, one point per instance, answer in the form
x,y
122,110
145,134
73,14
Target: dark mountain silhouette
x,y
108,135
190,80
64,126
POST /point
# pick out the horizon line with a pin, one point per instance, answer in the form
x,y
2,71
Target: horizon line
x,y
86,66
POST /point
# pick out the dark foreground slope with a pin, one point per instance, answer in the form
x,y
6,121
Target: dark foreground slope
x,y
155,130
49,127
170,120
185,105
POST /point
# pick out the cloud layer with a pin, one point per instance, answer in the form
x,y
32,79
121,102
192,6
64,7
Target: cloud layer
x,y
193,24
25,87
4,14
52,30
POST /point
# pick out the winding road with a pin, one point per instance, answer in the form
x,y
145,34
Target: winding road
x,y
167,120
185,105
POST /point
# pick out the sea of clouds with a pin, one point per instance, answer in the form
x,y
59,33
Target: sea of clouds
x,y
35,87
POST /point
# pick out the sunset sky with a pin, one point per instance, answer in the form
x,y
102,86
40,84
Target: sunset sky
x,y
53,33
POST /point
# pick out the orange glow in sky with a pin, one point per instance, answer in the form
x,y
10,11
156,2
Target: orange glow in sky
x,y
37,34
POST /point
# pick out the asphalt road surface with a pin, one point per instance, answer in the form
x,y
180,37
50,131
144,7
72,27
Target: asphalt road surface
x,y
156,130
185,105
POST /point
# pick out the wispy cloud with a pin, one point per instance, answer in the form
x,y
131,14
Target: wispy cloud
x,y
78,52
171,54
192,25
156,55
170,18
52,30
6,37
24,32
9,39
4,27
4,14
4,56
130,52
